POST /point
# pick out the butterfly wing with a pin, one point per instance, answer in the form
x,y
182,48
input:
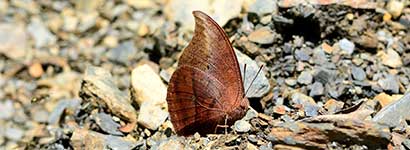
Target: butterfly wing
x,y
211,52
193,101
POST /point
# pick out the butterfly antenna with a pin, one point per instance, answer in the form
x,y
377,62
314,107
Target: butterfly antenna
x,y
244,76
247,90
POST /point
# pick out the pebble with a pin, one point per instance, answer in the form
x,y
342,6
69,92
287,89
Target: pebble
x,y
395,7
171,144
7,109
316,89
302,55
391,58
261,85
389,114
358,73
262,35
323,75
40,115
85,139
290,81
332,106
110,41
383,98
346,46
35,70
107,124
62,105
309,105
152,116
242,126
13,38
263,7
123,53
305,77
148,86
42,36
279,109
251,113
389,83
99,85
14,134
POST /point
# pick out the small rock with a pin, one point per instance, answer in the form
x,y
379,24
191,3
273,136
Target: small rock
x,y
309,105
390,83
332,106
107,124
242,126
302,55
280,109
358,73
143,30
55,116
368,40
110,41
152,116
384,99
261,85
7,109
171,144
35,70
346,46
395,7
262,35
123,53
391,58
305,77
327,48
13,38
42,36
405,20
395,112
98,85
148,85
263,7
290,81
323,75
70,23
14,134
251,113
84,139
316,89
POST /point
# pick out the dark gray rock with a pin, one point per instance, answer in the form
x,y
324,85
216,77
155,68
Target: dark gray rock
x,y
105,122
316,89
302,55
358,73
390,84
55,115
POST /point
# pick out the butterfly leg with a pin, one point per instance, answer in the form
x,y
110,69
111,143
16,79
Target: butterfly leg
x,y
223,126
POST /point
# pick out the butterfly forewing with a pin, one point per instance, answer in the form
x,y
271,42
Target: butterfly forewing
x,y
211,52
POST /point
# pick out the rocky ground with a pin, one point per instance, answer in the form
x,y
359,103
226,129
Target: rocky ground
x,y
93,74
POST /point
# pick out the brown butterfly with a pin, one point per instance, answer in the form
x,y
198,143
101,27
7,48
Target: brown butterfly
x,y
206,89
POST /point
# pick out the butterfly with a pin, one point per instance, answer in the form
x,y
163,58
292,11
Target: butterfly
x,y
206,89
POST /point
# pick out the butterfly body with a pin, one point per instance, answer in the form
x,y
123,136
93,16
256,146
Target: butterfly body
x,y
206,90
